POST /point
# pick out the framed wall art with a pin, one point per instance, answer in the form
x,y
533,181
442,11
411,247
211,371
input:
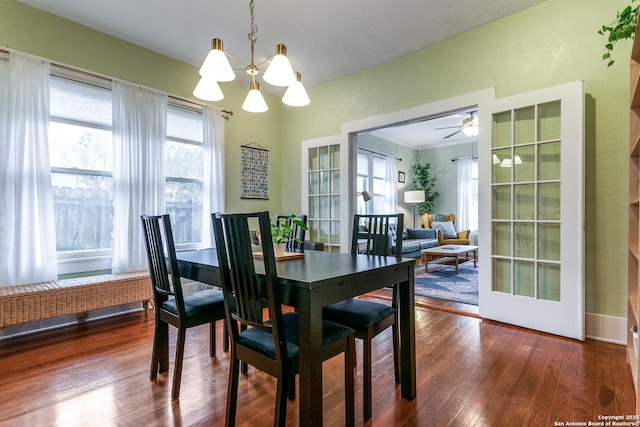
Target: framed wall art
x,y
255,172
401,177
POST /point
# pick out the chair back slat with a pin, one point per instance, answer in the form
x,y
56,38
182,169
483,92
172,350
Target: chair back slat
x,y
381,234
296,238
244,291
163,264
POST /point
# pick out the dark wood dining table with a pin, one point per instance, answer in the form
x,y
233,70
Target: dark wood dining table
x,y
314,281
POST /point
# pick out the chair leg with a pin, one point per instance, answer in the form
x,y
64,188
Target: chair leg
x,y
280,416
292,387
396,352
160,351
232,391
212,339
366,376
177,371
225,336
349,382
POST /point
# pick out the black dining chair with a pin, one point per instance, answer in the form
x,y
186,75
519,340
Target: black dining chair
x,y
296,238
270,345
372,235
172,305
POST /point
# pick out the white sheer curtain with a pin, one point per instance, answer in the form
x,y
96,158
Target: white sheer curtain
x,y
139,134
28,243
213,170
465,193
391,186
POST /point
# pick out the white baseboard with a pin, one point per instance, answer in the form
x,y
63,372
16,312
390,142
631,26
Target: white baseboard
x,y
606,328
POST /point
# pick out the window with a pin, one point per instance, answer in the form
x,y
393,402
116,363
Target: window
x,y
373,176
81,156
184,172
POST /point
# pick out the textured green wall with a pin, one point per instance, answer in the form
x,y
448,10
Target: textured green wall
x,y
552,43
38,33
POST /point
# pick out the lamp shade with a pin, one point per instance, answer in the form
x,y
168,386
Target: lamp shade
x,y
216,65
366,196
414,196
254,102
279,72
208,89
296,95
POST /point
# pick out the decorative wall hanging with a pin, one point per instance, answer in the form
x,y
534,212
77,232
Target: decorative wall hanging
x,y
255,172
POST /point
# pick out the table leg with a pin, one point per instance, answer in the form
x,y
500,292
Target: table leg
x,y
426,263
456,265
310,362
407,337
475,258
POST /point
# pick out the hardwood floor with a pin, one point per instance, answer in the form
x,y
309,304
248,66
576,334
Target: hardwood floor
x,y
471,372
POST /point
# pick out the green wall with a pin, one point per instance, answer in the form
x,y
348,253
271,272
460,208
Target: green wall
x,y
552,43
38,33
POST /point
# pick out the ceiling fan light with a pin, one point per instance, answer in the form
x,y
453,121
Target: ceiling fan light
x,y
470,130
279,72
208,89
296,95
254,102
216,65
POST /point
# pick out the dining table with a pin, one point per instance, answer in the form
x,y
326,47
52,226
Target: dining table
x,y
313,281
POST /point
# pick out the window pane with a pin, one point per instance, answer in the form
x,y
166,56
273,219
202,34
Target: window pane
x,y
73,146
83,206
183,160
184,124
183,201
70,99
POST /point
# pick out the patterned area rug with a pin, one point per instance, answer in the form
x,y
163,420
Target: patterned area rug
x,y
441,282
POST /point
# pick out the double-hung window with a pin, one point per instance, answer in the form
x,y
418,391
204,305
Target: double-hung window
x,y
82,164
372,176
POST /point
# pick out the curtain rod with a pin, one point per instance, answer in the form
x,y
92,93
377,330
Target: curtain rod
x,y
379,152
95,75
455,159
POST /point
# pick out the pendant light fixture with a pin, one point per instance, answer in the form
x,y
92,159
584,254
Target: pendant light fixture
x,y
216,68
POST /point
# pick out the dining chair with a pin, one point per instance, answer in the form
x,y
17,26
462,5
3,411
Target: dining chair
x,y
172,305
372,235
269,343
296,238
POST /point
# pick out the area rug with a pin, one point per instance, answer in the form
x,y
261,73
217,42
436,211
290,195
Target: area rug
x,y
441,282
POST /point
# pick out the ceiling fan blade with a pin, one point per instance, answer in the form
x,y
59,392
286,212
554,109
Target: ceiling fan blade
x,y
448,127
451,134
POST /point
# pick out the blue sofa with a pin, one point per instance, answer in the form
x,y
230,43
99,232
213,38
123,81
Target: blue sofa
x,y
416,239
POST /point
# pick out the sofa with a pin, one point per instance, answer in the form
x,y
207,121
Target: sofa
x,y
414,240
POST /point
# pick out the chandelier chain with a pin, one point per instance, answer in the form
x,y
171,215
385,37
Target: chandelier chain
x,y
252,39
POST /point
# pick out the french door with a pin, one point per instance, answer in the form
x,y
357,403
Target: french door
x,y
531,211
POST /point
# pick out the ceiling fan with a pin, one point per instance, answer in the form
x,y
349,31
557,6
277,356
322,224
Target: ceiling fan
x,y
469,126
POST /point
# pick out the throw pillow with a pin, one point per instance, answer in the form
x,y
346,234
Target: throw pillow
x,y
446,228
438,218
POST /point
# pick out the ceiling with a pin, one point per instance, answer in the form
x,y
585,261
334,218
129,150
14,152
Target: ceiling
x,y
326,39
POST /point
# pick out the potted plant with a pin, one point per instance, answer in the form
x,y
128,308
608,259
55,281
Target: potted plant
x,y
422,179
281,232
624,27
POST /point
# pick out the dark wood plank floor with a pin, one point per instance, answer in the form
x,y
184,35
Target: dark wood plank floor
x,y
471,372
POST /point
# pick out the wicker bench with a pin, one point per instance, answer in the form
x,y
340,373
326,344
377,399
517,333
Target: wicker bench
x,y
39,301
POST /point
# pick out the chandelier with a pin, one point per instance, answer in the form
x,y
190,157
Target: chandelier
x,y
216,68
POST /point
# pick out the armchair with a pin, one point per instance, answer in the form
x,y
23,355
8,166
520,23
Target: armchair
x,y
446,235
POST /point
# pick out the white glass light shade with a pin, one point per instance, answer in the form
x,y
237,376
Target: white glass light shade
x,y
208,89
414,196
279,72
517,160
506,163
496,159
216,65
470,130
254,102
296,95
